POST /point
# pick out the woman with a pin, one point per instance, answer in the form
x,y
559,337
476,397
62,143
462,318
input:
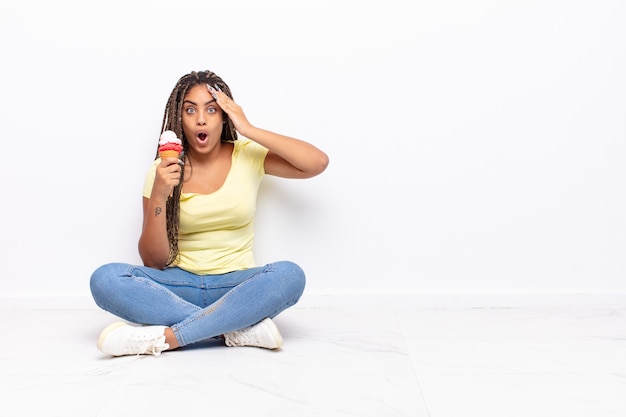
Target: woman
x,y
199,279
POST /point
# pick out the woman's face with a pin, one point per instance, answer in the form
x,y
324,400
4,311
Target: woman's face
x,y
202,120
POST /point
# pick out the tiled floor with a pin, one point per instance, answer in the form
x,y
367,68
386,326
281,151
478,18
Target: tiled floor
x,y
336,362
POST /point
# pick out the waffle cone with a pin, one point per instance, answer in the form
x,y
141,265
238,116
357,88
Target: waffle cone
x,y
168,154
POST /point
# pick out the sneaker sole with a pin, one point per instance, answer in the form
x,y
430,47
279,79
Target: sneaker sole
x,y
107,330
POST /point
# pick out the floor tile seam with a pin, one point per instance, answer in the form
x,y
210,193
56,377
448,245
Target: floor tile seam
x,y
413,364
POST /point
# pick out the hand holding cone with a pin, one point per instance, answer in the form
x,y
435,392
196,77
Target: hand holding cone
x,y
170,146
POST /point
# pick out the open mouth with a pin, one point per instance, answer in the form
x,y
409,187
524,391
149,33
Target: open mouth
x,y
202,137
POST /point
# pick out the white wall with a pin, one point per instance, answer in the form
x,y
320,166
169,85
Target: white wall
x,y
476,146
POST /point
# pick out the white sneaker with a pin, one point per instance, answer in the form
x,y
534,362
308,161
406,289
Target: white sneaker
x,y
120,339
264,334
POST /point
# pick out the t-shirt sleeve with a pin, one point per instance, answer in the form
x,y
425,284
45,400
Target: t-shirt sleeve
x,y
149,180
256,155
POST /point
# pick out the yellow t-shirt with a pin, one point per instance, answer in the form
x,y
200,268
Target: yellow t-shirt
x,y
216,231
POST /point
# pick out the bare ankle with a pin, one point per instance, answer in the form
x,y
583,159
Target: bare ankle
x,y
170,339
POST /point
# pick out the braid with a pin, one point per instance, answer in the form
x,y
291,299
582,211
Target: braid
x,y
173,120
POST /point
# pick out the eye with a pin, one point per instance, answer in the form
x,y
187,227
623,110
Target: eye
x,y
190,110
211,110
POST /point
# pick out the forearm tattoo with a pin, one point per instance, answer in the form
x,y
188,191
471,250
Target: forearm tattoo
x,y
157,211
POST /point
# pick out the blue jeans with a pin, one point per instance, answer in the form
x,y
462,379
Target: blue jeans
x,y
197,307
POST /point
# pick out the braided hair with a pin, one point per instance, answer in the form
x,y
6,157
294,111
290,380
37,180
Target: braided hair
x,y
172,120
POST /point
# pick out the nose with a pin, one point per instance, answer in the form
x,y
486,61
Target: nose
x,y
200,120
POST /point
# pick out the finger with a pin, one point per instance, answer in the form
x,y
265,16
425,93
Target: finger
x,y
170,161
217,93
213,91
173,179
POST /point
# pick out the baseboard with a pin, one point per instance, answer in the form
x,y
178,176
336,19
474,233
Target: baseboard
x,y
362,300
412,300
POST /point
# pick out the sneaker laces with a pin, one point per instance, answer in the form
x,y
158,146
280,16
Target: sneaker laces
x,y
155,346
244,337
263,334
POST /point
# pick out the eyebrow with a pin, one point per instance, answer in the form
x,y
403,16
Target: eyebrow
x,y
195,104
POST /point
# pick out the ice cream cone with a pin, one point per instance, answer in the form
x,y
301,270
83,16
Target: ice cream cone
x,y
168,154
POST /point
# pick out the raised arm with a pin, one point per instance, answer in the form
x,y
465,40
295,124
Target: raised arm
x,y
288,157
